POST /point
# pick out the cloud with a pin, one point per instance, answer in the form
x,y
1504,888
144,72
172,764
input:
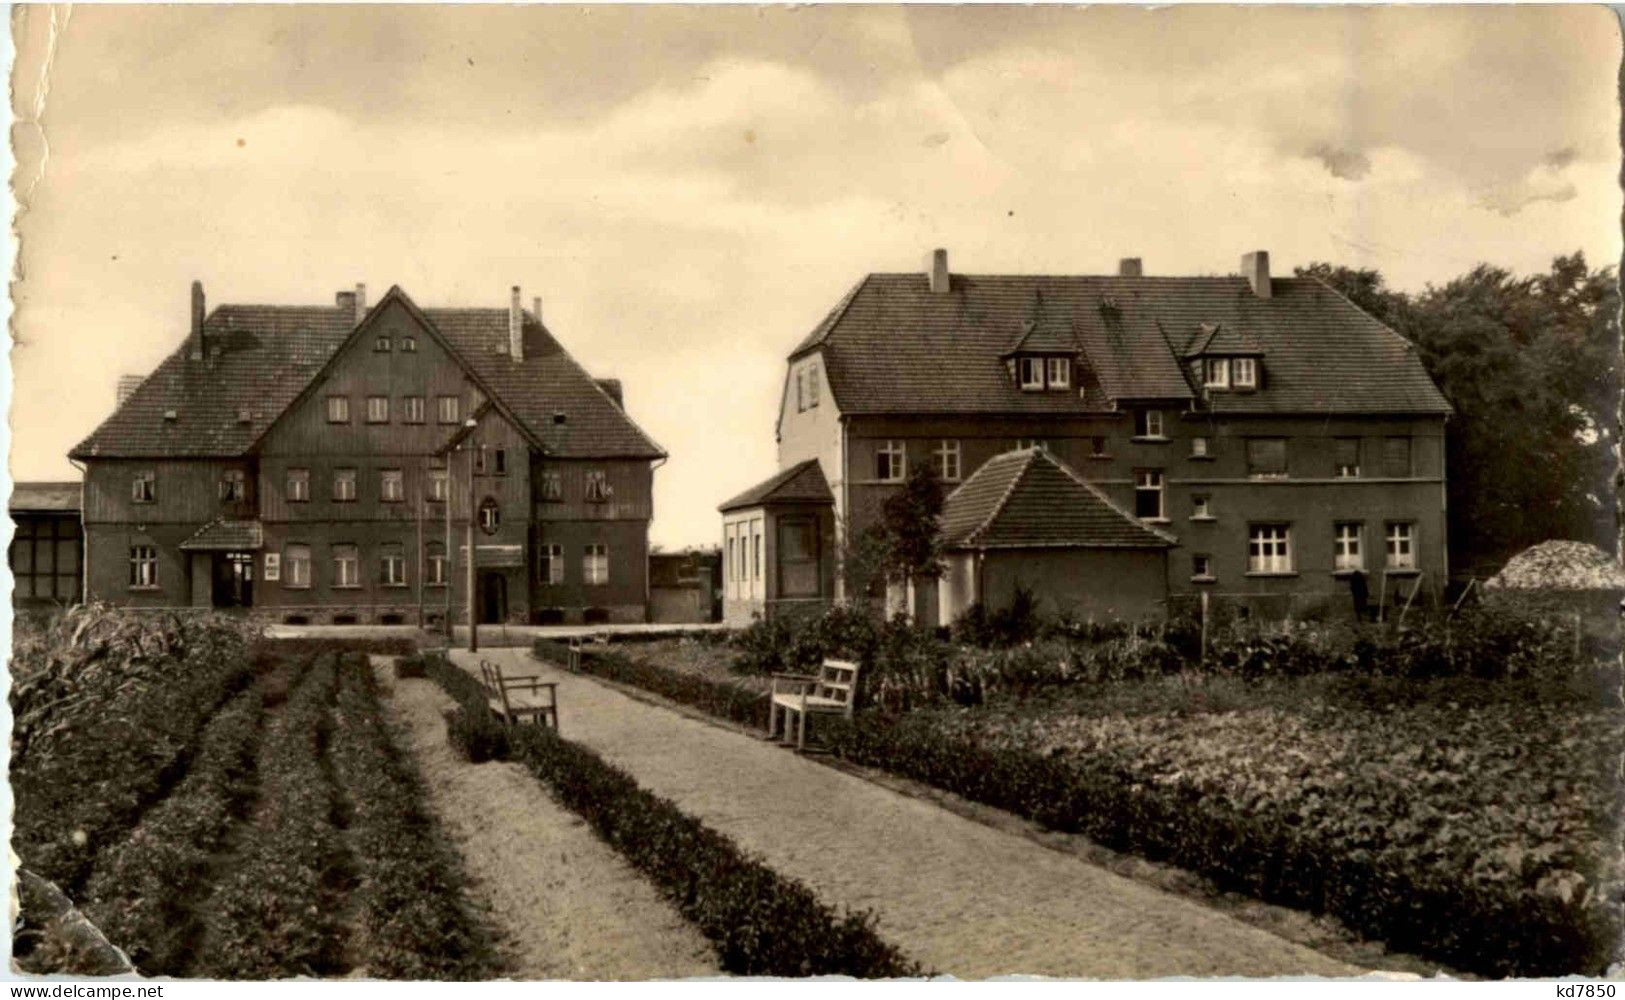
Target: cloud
x,y
1509,201
1344,164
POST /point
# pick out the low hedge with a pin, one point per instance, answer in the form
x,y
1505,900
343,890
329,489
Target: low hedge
x,y
760,922
274,915
719,698
143,889
412,891
470,727
1482,923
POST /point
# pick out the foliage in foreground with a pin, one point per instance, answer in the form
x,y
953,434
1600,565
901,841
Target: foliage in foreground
x,y
412,888
143,889
719,698
760,922
109,704
1456,831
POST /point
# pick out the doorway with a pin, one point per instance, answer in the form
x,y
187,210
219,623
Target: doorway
x,y
233,580
493,598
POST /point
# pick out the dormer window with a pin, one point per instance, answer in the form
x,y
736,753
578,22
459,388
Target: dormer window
x,y
1216,373
1245,373
1032,374
1058,373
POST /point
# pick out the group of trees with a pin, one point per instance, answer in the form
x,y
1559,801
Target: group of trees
x,y
1530,365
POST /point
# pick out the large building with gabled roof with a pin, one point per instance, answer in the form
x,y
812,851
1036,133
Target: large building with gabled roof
x,y
319,464
1284,438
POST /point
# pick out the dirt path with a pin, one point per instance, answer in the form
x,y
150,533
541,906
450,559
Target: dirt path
x,y
571,908
960,897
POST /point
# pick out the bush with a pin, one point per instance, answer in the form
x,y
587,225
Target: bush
x,y
719,698
143,889
471,727
419,924
410,667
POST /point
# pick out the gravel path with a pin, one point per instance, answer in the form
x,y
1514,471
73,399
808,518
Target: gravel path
x,y
960,897
570,907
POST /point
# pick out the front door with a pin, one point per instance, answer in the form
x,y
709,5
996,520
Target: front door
x,y
493,598
233,579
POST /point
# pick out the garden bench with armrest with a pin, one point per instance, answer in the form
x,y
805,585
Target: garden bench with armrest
x,y
832,691
540,704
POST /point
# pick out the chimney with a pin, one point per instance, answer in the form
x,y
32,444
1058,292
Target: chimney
x,y
536,307
360,302
127,385
345,301
1129,267
938,275
1255,267
516,328
196,351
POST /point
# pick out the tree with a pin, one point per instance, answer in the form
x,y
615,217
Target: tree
x,y
910,522
1528,365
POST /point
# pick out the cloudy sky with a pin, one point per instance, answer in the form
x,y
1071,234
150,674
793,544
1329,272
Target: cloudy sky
x,y
690,190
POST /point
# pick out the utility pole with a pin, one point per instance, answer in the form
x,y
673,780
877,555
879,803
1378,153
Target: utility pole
x,y
473,625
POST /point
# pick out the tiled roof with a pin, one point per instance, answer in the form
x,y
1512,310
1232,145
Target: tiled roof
x,y
1045,331
222,535
1029,499
1213,338
803,482
45,497
894,347
270,354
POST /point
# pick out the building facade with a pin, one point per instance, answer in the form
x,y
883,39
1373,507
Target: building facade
x,y
47,545
1284,438
324,465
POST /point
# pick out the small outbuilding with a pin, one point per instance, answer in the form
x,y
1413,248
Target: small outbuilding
x,y
1025,520
778,546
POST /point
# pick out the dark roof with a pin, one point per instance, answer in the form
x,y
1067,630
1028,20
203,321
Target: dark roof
x,y
60,496
1214,339
894,347
1030,499
222,535
1045,331
269,355
803,482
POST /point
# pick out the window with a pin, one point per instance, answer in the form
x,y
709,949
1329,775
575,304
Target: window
x,y
1032,373
1401,545
377,409
338,409
1244,373
392,565
437,485
1022,444
550,564
45,558
1148,423
298,485
801,396
501,462
344,485
234,485
598,488
595,565
945,456
756,550
1347,553
409,345
144,487
1058,372
889,462
812,385
552,486
1216,373
391,486
346,566
1346,457
381,343
1201,567
297,560
1396,457
798,557
144,566
1148,494
1269,548
448,410
490,516
1266,458
1097,447
435,560
1201,508
1200,447
412,409
733,560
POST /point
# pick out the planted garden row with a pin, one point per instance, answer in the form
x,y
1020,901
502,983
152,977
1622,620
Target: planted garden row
x,y
412,889
760,922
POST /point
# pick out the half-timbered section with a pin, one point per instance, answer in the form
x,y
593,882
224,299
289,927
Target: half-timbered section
x,y
1284,438
324,465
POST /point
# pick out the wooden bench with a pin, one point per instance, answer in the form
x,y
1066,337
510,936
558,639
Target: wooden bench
x,y
499,690
830,692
